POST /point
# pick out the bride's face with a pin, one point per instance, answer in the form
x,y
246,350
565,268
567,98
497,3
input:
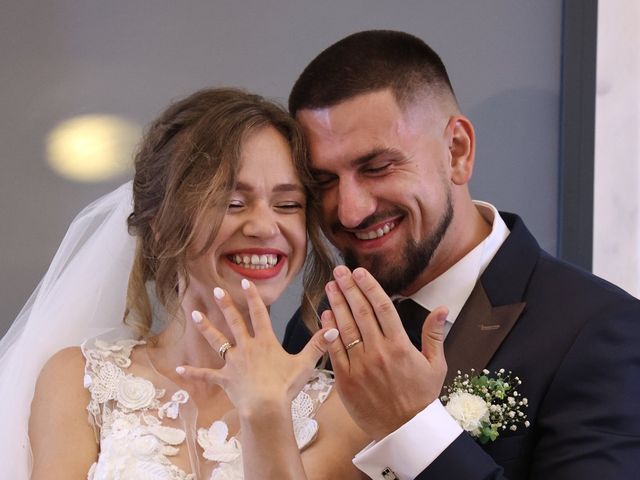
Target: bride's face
x,y
263,235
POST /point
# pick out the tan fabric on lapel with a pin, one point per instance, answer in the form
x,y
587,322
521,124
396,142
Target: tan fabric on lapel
x,y
478,332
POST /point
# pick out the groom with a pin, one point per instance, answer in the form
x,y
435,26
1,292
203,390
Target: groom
x,y
392,156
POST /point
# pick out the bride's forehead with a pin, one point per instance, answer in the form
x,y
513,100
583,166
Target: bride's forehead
x,y
272,171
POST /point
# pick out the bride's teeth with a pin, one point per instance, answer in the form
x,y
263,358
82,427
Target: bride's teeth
x,y
385,229
255,261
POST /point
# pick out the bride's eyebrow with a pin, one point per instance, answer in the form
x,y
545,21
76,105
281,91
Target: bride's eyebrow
x,y
281,187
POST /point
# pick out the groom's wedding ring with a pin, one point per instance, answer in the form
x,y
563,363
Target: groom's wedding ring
x,y
222,351
352,344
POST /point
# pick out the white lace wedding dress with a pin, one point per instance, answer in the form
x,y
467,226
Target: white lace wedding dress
x,y
147,426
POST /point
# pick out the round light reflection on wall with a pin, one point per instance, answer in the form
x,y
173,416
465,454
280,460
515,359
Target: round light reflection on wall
x,y
92,148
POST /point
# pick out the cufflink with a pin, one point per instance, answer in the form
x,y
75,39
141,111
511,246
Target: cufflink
x,y
389,474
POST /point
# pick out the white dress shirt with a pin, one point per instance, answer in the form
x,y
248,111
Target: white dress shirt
x,y
406,452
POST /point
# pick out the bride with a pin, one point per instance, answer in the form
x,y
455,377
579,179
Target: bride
x,y
198,386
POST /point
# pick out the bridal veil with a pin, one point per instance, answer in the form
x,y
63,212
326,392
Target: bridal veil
x,y
82,295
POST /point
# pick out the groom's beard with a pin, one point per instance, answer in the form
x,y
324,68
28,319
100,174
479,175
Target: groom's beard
x,y
396,276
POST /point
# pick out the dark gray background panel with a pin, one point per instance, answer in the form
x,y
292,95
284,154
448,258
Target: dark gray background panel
x,y
62,58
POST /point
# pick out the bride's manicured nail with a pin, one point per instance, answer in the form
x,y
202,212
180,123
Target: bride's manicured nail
x,y
331,334
218,293
245,284
180,370
196,316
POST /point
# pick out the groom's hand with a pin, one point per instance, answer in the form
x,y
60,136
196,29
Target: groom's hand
x,y
383,380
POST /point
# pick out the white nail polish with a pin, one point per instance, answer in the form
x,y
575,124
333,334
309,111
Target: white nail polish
x,y
245,284
196,316
218,293
331,334
180,370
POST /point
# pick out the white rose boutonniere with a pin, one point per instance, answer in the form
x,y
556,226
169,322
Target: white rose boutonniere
x,y
469,410
485,405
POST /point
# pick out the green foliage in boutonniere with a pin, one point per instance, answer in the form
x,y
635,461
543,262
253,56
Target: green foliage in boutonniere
x,y
486,405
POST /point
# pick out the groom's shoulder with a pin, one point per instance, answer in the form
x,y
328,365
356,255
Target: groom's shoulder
x,y
548,277
574,281
296,335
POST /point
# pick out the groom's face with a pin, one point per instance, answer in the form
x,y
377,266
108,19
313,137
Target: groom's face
x,y
384,179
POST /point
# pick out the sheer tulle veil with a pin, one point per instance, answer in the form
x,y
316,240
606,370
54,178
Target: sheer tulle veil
x,y
82,295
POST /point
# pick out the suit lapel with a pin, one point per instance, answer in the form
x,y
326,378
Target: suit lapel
x,y
481,327
478,332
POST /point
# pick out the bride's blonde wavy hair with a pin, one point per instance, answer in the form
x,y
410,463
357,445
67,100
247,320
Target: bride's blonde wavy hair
x,y
185,172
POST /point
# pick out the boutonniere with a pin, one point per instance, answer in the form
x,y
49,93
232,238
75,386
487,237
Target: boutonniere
x,y
485,405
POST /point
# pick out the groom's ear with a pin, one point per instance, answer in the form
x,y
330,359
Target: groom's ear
x,y
462,147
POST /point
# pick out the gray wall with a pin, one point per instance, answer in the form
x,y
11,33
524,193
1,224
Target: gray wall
x,y
61,58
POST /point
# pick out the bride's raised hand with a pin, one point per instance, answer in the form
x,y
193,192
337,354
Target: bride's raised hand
x,y
258,372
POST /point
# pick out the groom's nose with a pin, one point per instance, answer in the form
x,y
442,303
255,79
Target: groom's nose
x,y
355,203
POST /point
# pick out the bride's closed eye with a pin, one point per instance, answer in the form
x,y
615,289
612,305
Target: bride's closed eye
x,y
235,205
289,207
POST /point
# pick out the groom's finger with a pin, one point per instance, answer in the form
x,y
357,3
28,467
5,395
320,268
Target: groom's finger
x,y
385,311
359,304
342,315
433,338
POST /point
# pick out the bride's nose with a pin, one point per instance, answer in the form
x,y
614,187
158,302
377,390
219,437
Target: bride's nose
x,y
261,222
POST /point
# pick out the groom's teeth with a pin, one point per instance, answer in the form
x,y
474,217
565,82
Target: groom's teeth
x,y
254,261
380,232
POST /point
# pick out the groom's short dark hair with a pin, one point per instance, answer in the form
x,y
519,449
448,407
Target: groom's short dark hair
x,y
368,61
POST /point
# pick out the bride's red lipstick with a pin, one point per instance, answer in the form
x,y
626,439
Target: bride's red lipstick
x,y
256,270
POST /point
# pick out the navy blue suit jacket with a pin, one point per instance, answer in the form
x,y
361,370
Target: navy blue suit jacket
x,y
574,341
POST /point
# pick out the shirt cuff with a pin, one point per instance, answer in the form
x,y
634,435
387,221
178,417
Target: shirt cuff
x,y
412,447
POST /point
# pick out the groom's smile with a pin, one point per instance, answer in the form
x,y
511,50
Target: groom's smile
x,y
384,175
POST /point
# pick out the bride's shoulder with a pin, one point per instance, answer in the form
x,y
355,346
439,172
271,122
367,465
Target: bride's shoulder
x,y
60,381
63,360
100,352
64,364
60,436
69,365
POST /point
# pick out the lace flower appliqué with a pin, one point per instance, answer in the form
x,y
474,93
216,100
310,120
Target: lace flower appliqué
x,y
305,428
172,408
217,448
134,393
131,448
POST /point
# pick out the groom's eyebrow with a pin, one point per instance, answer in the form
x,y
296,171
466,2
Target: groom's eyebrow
x,y
372,155
388,153
364,159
